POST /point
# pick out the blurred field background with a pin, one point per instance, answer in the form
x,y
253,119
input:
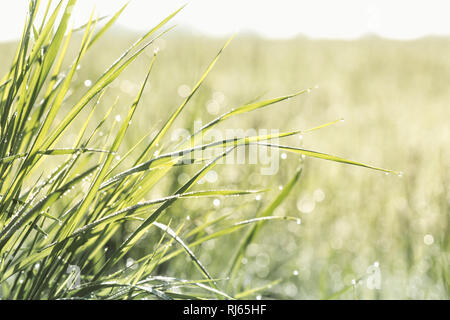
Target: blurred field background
x,y
395,100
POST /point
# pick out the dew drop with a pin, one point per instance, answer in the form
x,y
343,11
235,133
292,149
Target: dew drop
x,y
219,96
306,205
183,178
428,239
87,83
319,195
184,90
213,107
211,176
130,262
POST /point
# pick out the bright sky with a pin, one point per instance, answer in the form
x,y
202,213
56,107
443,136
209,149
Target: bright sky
x,y
399,19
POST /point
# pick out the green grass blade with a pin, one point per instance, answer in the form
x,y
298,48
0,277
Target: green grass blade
x,y
324,156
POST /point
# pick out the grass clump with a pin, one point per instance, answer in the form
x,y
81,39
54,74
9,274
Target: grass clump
x,y
69,232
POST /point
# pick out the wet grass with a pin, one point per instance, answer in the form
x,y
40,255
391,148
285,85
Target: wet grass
x,y
96,203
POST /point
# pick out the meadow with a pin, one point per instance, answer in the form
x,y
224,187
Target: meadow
x,y
343,224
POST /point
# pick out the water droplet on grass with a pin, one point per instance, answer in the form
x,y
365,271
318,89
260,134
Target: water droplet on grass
x,y
87,83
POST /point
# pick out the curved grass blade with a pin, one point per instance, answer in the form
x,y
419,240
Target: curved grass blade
x,y
104,169
225,231
191,254
172,118
145,204
140,231
236,261
324,156
53,152
250,292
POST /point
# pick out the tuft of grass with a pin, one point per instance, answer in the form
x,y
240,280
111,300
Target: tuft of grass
x,y
56,228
